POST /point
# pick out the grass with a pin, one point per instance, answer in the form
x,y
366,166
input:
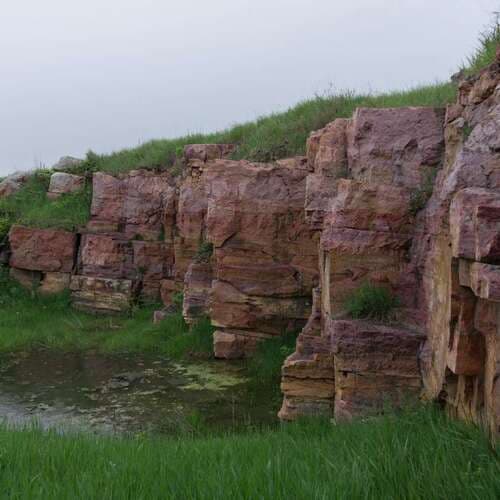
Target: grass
x,y
370,302
268,138
31,207
32,321
486,49
264,368
412,456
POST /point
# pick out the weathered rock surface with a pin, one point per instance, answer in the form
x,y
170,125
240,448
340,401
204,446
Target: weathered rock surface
x,y
63,183
13,183
197,287
397,146
364,173
128,240
103,295
443,263
375,365
66,164
46,250
265,260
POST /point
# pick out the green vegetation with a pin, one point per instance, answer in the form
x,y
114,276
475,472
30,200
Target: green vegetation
x,y
204,252
32,321
416,455
268,138
420,196
264,369
370,301
31,207
486,49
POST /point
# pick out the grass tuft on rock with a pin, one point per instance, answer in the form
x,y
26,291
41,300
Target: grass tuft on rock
x,y
371,302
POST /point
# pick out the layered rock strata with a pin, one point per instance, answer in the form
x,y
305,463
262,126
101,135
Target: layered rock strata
x,y
405,198
365,171
439,258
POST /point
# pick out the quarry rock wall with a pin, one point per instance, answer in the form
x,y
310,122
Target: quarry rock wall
x,y
407,199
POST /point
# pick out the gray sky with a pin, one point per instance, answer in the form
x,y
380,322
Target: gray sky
x,y
108,74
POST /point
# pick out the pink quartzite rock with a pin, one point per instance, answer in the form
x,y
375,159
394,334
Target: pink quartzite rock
x,y
365,173
475,224
308,379
397,146
47,250
327,150
374,365
207,152
106,256
265,259
13,183
485,281
62,183
197,286
101,295
136,203
374,207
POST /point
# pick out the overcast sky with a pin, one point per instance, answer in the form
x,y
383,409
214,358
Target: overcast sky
x,y
108,74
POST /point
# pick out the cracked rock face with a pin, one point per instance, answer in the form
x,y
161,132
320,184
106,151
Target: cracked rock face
x,y
268,247
442,262
264,258
371,164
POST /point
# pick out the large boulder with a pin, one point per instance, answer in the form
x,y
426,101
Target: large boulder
x,y
47,250
67,164
13,183
63,183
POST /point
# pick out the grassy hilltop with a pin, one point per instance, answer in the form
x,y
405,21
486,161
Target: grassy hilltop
x,y
269,138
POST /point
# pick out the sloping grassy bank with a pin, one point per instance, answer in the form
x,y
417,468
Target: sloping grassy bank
x,y
414,456
269,138
33,321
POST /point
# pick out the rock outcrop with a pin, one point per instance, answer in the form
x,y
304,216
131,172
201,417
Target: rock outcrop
x,y
364,171
42,258
439,258
13,183
407,199
63,183
126,250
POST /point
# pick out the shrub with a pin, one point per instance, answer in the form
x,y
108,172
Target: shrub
x,y
370,301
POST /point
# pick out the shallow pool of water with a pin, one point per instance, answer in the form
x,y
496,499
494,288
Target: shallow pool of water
x,y
101,393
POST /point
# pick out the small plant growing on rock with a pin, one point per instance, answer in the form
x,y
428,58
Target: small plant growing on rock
x,y
205,251
4,228
420,196
178,300
371,302
467,130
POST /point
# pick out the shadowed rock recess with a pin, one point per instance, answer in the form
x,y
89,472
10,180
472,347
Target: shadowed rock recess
x,y
403,198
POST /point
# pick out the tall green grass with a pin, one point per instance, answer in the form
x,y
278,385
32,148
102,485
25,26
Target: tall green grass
x,y
33,321
415,456
484,54
264,368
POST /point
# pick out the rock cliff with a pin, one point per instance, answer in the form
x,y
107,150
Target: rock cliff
x,y
407,199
